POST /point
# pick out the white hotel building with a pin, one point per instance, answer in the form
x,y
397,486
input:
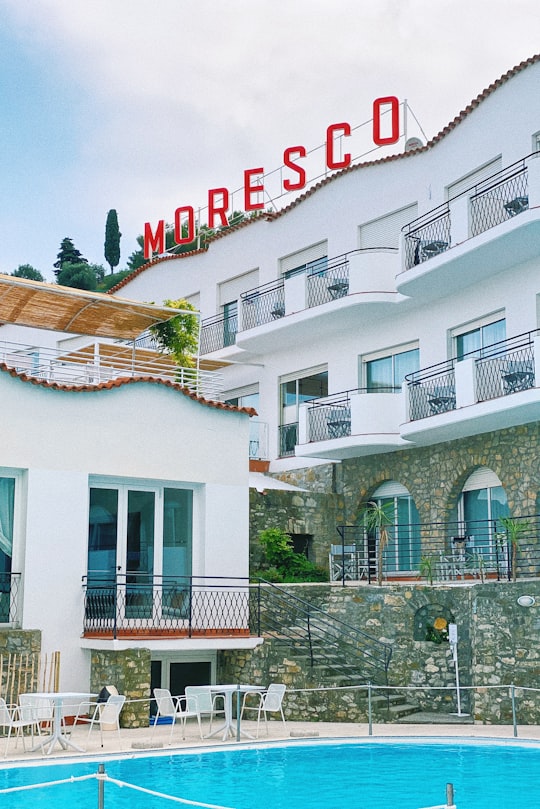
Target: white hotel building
x,y
385,327
357,319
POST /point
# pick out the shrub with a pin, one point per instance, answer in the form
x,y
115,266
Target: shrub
x,y
282,563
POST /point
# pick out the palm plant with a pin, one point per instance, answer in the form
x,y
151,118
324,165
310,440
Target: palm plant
x,y
515,529
377,517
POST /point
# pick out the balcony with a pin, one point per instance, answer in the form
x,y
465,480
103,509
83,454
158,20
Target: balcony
x,y
444,552
290,308
488,228
10,601
350,424
486,390
138,605
97,363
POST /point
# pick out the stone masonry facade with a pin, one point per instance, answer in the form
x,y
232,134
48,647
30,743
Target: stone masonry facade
x,y
498,647
434,476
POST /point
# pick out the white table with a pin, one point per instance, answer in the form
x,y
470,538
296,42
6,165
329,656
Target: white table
x,y
230,727
58,699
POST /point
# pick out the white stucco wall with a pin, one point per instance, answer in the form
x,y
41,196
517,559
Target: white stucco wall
x,y
141,433
500,126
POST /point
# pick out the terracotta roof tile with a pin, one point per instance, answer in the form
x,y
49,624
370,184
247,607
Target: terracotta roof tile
x,y
271,215
117,383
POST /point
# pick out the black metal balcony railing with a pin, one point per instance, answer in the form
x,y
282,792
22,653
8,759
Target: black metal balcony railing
x,y
288,439
10,584
452,551
263,304
218,332
499,198
502,368
496,199
142,604
328,284
330,417
427,236
432,391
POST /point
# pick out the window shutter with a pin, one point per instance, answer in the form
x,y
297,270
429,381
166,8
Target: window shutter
x,y
309,254
230,290
386,230
482,478
473,178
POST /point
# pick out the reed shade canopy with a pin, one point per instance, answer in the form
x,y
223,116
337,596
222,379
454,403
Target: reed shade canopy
x,y
76,311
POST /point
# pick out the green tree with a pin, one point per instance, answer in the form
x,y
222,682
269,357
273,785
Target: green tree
x,y
68,254
81,276
27,271
179,336
112,240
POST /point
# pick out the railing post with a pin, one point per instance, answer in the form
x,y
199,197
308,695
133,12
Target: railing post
x,y
259,598
190,619
238,713
514,716
370,715
116,608
450,795
101,786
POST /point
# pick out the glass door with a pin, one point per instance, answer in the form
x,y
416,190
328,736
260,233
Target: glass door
x,y
139,553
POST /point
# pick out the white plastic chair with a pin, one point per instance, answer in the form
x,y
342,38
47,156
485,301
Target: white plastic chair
x,y
17,718
42,707
181,708
102,714
270,701
201,699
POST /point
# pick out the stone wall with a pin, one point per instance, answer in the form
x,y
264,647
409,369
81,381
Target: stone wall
x,y
303,512
434,476
498,646
129,672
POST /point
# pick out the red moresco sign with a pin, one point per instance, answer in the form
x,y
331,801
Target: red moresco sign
x,y
219,198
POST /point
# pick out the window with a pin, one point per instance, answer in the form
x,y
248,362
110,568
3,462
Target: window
x,y
294,391
481,503
403,550
477,338
230,322
536,142
142,535
7,506
386,373
311,259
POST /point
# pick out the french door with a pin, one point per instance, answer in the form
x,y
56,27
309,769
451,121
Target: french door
x,y
140,549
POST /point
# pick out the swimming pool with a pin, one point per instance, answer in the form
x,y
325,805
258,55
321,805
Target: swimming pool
x,y
322,775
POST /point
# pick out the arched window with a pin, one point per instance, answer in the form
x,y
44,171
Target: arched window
x,y
403,550
481,503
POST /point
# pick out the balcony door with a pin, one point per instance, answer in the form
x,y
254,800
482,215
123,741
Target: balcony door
x,y
140,547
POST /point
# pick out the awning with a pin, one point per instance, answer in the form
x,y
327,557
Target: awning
x,y
77,311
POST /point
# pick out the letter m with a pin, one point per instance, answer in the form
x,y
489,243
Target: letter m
x,y
154,242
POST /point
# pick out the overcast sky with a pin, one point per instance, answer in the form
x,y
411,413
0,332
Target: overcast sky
x,y
143,105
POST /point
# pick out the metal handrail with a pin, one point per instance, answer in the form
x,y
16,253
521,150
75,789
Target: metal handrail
x,y
329,642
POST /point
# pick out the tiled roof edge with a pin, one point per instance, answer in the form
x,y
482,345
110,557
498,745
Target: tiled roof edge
x,y
117,383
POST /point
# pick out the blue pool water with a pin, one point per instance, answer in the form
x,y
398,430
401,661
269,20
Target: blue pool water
x,y
365,775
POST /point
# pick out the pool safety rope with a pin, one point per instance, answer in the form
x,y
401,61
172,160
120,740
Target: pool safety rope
x,y
101,777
